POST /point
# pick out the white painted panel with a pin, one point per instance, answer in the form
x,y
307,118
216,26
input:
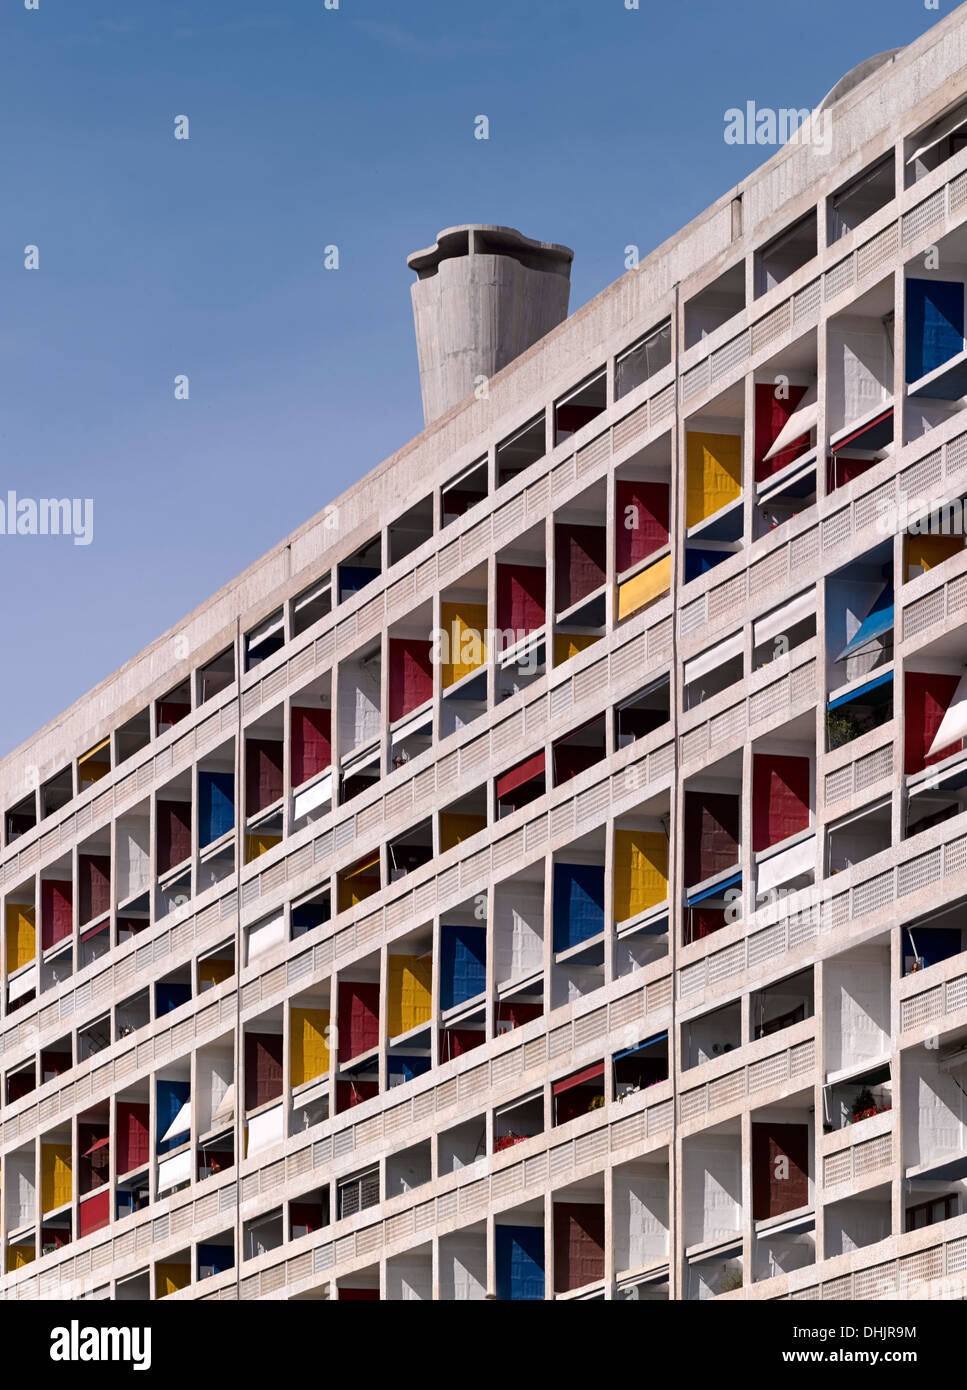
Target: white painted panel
x,y
519,935
265,1130
263,936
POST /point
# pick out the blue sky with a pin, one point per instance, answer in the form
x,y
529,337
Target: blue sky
x,y
308,127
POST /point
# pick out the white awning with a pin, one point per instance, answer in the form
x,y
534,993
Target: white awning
x,y
310,595
315,795
413,723
356,762
939,131
181,1124
265,1130
786,865
270,626
22,984
264,936
315,1091
800,422
462,477
172,1171
225,1109
784,618
714,657
953,726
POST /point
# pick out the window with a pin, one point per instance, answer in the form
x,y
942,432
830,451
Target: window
x,y
358,1192
643,359
927,1213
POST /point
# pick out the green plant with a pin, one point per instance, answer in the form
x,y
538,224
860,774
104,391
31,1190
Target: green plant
x,y
730,1280
840,729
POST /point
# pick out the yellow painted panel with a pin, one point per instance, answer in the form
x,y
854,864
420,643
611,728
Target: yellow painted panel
x,y
55,1176
640,871
18,1256
21,936
213,971
464,639
648,584
358,883
568,644
923,552
409,994
170,1277
90,772
259,844
310,1050
713,464
455,827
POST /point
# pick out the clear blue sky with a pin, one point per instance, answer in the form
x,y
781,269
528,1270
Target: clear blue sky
x,y
307,127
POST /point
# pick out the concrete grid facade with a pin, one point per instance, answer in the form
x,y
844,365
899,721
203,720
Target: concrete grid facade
x,y
337,965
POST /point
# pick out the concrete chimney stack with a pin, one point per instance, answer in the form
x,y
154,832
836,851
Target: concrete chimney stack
x,y
483,296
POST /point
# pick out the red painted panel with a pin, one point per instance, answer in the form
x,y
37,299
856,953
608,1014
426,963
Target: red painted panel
x,y
641,521
517,776
780,798
94,877
840,471
770,419
926,698
358,1018
456,501
94,1154
263,1068
170,713
367,1295
20,1084
311,743
454,1042
520,600
780,1169
711,834
95,1213
263,773
56,911
132,1135
410,676
578,1244
703,922
306,1214
579,558
516,1014
54,1064
174,833
572,758
350,1093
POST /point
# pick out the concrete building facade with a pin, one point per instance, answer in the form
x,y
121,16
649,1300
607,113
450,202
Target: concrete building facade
x,y
543,874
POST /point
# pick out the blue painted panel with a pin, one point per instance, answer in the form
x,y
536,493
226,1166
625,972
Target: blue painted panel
x,y
171,1097
699,561
519,1255
578,903
216,805
352,578
408,1067
935,324
169,997
463,964
221,1256
935,944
